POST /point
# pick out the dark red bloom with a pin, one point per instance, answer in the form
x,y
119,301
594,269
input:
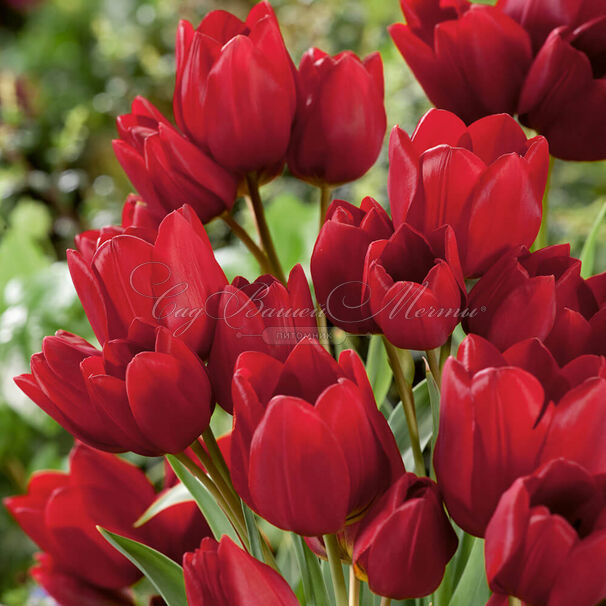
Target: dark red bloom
x,y
148,393
235,94
260,316
546,542
337,262
539,17
60,513
415,287
475,353
136,221
167,169
340,122
455,49
405,540
540,295
495,427
486,181
569,111
222,574
336,452
167,282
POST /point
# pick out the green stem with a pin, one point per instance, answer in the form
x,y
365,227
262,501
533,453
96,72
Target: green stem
x,y
354,588
513,601
408,403
325,195
250,244
336,572
264,233
216,455
239,526
385,601
434,361
543,235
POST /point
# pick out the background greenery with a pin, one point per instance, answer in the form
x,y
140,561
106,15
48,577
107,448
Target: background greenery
x,y
67,69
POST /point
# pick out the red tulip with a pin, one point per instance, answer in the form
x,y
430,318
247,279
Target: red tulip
x,y
340,121
336,452
263,316
495,427
415,287
167,169
136,221
475,353
60,513
539,17
149,393
569,111
405,540
222,574
168,282
337,262
546,542
235,94
491,432
486,180
455,49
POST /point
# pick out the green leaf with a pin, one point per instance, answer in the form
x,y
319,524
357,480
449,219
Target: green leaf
x,y
378,369
472,587
177,494
311,574
399,427
434,404
588,253
217,520
164,574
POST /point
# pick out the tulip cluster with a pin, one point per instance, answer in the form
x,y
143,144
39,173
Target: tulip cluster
x,y
516,443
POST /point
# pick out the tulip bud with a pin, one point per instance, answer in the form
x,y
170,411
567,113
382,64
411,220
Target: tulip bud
x,y
486,181
235,94
337,262
340,121
405,540
222,574
260,316
546,541
149,393
337,453
167,169
167,282
455,48
415,287
61,511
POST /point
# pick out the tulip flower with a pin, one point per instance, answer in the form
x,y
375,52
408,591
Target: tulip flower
x,y
546,542
235,93
340,121
136,221
337,262
149,393
568,112
415,287
540,17
336,452
60,513
495,427
405,540
222,574
167,282
456,48
486,181
167,169
259,316
476,353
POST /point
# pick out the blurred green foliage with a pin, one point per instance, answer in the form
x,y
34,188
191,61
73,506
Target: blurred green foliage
x,y
68,68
